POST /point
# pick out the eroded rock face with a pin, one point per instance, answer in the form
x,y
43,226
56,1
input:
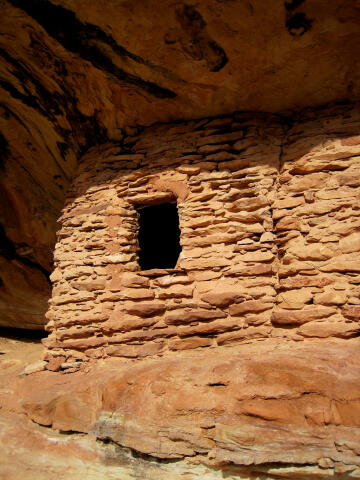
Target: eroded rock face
x,y
259,406
189,416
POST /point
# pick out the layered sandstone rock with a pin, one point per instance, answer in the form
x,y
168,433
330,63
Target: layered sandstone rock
x,y
279,409
276,410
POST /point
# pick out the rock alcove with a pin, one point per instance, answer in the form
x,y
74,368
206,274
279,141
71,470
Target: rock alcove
x,y
238,358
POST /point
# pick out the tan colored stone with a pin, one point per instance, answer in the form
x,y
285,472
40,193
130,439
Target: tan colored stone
x,y
312,252
295,299
244,334
354,140
117,210
82,296
348,179
291,317
188,169
70,273
54,365
222,297
142,335
207,166
189,343
250,270
131,280
128,293
167,281
202,197
186,316
121,322
249,204
175,291
301,281
89,285
251,306
341,264
351,243
288,223
205,263
330,297
257,256
295,267
119,258
179,189
145,309
289,202
329,329
351,311
84,343
311,181
37,366
134,351
56,275
75,332
267,237
213,327
234,165
200,222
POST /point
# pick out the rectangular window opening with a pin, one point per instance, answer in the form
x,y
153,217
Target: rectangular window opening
x,y
159,236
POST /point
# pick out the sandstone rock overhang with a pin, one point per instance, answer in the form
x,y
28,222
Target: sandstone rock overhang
x,y
78,74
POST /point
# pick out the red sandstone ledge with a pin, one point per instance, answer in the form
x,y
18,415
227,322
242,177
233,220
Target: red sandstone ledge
x,y
266,402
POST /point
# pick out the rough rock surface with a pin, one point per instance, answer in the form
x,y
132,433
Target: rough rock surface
x,y
90,76
243,361
281,410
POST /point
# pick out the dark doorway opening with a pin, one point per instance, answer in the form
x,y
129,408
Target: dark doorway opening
x,y
159,236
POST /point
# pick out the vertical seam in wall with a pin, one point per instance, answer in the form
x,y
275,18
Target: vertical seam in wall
x,y
286,127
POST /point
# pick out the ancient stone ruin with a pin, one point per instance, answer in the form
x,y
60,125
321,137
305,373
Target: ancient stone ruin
x,y
269,233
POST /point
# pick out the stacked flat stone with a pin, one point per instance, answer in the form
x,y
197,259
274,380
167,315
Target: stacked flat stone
x,y
269,220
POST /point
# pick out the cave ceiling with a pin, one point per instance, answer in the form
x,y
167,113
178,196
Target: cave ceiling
x,y
127,63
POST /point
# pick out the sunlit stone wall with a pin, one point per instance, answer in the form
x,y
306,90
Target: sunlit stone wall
x,y
270,237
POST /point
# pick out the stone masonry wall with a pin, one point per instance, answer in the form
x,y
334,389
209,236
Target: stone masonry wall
x,y
269,220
